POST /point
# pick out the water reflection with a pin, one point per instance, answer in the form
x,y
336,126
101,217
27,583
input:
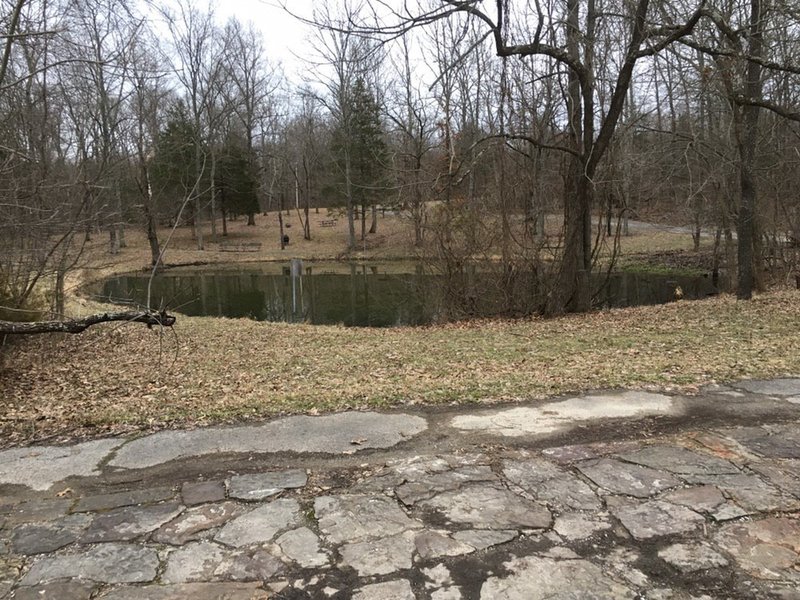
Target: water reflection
x,y
357,294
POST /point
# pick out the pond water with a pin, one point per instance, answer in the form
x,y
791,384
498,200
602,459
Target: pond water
x,y
356,294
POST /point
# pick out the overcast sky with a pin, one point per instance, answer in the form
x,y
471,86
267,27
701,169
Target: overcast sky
x,y
284,36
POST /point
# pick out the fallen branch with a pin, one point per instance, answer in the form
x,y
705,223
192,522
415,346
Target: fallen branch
x,y
149,318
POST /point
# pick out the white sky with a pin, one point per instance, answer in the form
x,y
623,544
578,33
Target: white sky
x,y
284,35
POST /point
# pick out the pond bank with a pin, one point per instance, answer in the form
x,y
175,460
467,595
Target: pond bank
x,y
210,370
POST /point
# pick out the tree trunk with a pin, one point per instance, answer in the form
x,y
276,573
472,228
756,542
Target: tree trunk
x,y
213,197
121,226
351,225
748,137
78,325
363,221
198,225
307,203
152,239
60,293
113,240
573,293
374,227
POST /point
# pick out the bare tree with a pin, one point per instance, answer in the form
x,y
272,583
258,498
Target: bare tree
x,y
253,83
148,96
344,59
570,35
413,117
197,59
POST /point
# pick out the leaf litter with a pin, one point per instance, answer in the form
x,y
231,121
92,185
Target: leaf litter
x,y
113,380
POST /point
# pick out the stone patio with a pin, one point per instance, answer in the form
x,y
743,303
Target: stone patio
x,y
695,513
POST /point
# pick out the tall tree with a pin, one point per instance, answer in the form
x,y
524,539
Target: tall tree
x,y
413,118
236,180
571,34
360,151
344,59
197,53
148,97
172,170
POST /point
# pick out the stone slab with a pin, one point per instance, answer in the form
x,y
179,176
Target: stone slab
x,y
434,544
303,547
421,485
693,556
194,521
489,507
61,590
777,441
784,475
550,484
381,556
624,478
190,591
128,498
356,517
750,492
201,492
654,518
569,455
48,536
679,460
389,590
129,522
766,549
580,526
772,387
480,539
330,434
38,510
539,578
566,414
260,525
40,467
706,499
104,563
207,562
703,498
260,486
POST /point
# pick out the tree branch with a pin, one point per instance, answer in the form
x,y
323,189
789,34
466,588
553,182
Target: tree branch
x,y
149,318
673,34
786,113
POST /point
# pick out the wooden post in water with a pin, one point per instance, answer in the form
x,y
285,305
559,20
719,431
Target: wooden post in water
x,y
296,273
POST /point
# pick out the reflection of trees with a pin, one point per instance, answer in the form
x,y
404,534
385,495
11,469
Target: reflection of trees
x,y
365,296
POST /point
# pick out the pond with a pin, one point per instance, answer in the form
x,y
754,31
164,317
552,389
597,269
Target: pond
x,y
358,294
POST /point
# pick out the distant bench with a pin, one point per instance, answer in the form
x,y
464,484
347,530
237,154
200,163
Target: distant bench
x,y
240,246
329,223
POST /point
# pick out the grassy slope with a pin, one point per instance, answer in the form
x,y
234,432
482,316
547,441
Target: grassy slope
x,y
120,378
114,378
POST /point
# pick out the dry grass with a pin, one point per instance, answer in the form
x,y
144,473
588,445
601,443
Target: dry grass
x,y
208,370
112,379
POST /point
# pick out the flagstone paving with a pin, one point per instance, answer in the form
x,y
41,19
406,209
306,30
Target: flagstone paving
x,y
700,510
